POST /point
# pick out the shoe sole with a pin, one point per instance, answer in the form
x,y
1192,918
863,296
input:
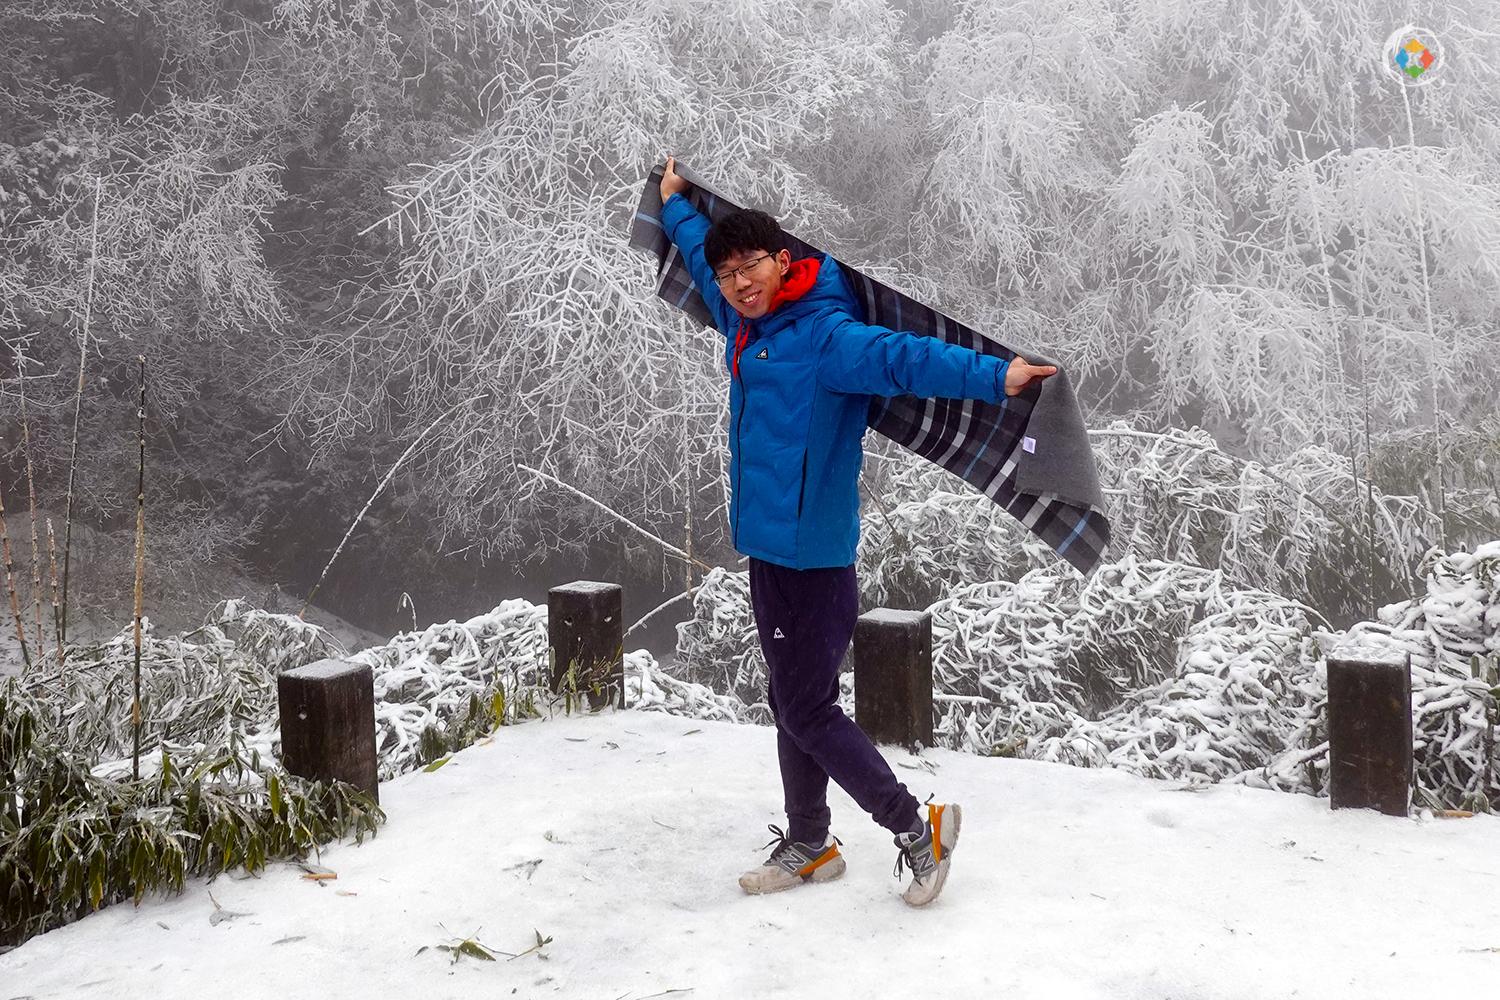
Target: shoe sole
x,y
823,873
953,815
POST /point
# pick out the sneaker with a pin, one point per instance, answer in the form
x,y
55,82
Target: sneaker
x,y
927,853
792,864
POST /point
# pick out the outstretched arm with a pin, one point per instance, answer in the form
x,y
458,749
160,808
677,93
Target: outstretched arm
x,y
686,227
857,357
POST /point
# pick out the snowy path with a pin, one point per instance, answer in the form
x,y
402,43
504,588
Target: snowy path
x,y
1067,883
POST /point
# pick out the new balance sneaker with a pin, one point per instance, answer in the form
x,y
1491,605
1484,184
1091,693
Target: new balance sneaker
x,y
791,864
927,854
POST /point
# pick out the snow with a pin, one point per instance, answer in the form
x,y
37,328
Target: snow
x,y
325,669
587,587
1367,647
893,616
1067,883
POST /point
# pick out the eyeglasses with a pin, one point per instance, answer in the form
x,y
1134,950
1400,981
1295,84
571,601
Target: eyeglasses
x,y
744,269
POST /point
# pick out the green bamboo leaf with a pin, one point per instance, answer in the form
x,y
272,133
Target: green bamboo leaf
x,y
474,949
437,764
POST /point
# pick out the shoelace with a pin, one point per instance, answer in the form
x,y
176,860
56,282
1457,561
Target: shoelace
x,y
906,859
784,843
780,840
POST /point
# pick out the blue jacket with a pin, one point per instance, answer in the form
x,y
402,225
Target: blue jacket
x,y
799,399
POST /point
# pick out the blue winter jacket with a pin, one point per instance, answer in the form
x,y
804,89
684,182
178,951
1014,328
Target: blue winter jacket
x,y
799,401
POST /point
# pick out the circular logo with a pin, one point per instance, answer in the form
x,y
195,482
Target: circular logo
x,y
1413,56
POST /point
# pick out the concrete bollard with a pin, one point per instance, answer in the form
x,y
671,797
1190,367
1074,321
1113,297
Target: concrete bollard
x,y
893,676
585,634
328,723
1369,734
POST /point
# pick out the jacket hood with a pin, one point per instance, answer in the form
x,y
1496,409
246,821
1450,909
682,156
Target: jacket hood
x,y
810,282
800,278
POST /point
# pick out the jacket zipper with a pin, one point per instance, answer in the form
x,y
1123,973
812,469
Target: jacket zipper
x,y
739,469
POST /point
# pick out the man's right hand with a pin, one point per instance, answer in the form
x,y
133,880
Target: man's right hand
x,y
671,183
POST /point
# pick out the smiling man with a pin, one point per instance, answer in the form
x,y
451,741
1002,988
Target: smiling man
x,y
802,370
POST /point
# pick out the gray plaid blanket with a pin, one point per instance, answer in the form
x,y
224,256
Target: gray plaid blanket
x,y
1029,454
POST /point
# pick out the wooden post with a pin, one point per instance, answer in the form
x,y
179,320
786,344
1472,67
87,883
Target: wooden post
x,y
1369,734
585,635
893,676
328,723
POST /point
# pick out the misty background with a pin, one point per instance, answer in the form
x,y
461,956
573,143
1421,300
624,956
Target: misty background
x,y
330,226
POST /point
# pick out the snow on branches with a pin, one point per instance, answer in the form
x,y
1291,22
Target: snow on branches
x,y
455,680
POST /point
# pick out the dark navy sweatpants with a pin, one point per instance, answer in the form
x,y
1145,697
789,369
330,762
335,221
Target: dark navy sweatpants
x,y
805,618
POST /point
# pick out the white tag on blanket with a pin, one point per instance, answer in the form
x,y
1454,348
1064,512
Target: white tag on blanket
x,y
1028,444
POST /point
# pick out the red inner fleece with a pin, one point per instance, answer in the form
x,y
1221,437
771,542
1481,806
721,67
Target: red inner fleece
x,y
799,280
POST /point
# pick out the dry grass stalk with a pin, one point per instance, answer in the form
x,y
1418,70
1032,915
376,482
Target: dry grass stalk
x,y
10,586
1439,465
56,609
391,472
1338,363
36,556
140,570
83,353
668,546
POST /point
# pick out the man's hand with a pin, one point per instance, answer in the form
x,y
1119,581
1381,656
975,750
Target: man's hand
x,y
1020,375
671,183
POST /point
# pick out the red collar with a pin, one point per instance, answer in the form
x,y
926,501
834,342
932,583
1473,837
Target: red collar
x,y
800,278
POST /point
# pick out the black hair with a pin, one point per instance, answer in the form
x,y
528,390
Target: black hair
x,y
741,231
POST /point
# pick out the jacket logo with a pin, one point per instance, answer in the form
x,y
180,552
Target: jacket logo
x,y
778,634
762,355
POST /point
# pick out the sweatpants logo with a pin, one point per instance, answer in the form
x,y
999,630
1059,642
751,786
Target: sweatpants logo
x,y
778,634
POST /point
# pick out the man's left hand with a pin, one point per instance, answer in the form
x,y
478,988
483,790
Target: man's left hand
x,y
1020,375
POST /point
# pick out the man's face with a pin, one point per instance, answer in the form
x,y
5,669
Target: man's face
x,y
751,278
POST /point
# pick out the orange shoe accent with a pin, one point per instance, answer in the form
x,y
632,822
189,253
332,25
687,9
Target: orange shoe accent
x,y
819,861
935,816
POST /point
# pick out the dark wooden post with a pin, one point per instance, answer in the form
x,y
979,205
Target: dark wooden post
x,y
893,676
585,634
1369,734
328,723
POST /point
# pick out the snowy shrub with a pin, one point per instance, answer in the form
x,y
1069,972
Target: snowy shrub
x,y
649,688
1165,670
717,648
450,683
197,689
72,841
1242,685
1057,668
76,831
453,681
927,531
1452,634
1300,527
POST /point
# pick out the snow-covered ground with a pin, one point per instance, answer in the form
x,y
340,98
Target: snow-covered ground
x,y
620,836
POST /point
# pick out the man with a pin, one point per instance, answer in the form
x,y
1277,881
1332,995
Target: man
x,y
802,369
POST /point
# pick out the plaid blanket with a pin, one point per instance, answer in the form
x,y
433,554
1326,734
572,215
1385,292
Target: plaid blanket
x,y
1029,454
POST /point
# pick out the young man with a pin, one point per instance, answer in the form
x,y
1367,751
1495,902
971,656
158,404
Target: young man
x,y
802,369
